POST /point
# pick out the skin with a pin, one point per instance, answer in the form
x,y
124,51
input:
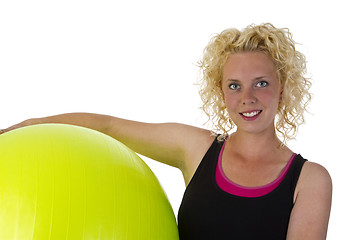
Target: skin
x,y
252,156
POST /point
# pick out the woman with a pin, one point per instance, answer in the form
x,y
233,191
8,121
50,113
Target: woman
x,y
245,182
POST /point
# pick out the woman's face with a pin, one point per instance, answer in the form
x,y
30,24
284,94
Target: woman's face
x,y
251,91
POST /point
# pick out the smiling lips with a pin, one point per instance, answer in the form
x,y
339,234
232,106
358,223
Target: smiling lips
x,y
251,115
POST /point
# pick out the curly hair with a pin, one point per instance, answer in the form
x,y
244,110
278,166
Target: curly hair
x,y
278,44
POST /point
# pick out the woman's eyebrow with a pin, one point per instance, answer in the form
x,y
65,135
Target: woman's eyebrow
x,y
259,78
253,80
232,80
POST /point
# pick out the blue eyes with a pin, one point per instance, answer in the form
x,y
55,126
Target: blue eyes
x,y
236,86
262,84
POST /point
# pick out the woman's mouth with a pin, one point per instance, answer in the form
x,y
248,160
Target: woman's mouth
x,y
251,115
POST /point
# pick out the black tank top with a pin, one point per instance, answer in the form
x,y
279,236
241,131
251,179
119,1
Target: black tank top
x,y
208,212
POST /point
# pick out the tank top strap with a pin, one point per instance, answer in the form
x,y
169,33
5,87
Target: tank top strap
x,y
296,170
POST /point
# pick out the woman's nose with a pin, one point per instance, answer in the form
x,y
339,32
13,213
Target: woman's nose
x,y
248,97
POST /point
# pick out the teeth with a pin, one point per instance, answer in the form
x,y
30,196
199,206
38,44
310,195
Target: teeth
x,y
251,114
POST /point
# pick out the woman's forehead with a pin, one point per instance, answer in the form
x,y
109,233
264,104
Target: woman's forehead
x,y
248,65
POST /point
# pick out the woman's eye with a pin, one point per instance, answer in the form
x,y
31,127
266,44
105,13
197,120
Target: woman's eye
x,y
234,86
262,84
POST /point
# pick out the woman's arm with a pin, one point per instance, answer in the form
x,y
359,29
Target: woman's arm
x,y
174,144
310,215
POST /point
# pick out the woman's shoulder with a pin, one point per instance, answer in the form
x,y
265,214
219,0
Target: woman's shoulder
x,y
194,137
197,142
315,172
314,178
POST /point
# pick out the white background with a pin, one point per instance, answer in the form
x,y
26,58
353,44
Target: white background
x,y
137,60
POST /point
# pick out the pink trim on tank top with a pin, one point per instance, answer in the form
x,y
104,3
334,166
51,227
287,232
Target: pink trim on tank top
x,y
235,189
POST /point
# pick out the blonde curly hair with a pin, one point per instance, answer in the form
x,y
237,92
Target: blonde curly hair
x,y
278,44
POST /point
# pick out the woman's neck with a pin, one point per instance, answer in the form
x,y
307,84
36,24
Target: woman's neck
x,y
255,146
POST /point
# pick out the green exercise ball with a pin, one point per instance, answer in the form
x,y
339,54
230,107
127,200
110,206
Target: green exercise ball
x,y
66,182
